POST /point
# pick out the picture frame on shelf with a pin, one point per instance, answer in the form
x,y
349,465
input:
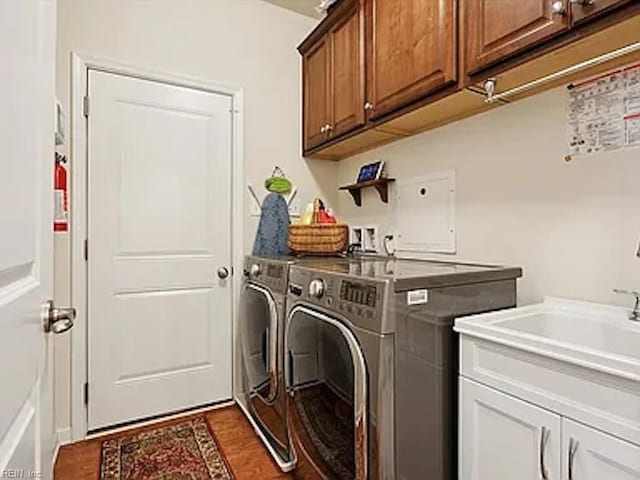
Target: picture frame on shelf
x,y
370,172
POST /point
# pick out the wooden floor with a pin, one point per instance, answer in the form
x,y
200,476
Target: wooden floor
x,y
244,451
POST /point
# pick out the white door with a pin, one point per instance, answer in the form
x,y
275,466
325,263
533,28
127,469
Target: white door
x,y
503,438
27,76
589,454
159,216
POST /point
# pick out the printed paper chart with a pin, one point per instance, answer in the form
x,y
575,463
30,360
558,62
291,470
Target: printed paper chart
x,y
604,112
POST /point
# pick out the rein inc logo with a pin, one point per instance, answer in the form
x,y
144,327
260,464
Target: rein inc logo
x,y
20,473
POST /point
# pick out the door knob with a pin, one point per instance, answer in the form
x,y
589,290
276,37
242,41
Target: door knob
x,y
223,272
58,320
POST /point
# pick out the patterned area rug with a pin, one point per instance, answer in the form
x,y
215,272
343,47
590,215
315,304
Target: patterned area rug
x,y
182,451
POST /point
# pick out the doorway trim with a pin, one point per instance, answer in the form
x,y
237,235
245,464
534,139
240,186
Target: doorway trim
x,y
80,65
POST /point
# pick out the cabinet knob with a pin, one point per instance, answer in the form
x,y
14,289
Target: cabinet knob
x,y
323,129
558,8
368,106
329,127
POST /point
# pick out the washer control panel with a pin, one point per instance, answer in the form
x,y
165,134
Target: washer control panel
x,y
360,301
270,273
358,293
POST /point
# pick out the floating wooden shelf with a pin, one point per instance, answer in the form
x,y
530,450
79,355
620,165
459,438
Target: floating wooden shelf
x,y
381,185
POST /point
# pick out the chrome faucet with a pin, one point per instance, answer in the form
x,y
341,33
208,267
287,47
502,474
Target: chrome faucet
x,y
635,313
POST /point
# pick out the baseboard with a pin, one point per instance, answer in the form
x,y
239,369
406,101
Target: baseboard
x,y
160,418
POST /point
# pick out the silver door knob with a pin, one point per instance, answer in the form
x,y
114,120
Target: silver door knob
x,y
58,320
558,8
223,272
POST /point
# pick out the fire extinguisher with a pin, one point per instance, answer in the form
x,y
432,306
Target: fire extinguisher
x,y
61,202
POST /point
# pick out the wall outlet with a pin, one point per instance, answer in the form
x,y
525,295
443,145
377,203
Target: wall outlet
x,y
357,236
370,239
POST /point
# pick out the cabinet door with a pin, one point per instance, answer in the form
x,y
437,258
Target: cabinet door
x,y
503,438
411,51
496,29
589,454
588,9
315,70
347,72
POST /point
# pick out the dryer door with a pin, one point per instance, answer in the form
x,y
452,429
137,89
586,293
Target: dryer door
x,y
259,340
327,396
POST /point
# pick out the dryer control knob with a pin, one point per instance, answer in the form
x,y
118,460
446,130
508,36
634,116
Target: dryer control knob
x,y
316,288
255,270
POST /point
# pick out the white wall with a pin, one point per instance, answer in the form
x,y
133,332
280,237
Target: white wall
x,y
241,43
574,227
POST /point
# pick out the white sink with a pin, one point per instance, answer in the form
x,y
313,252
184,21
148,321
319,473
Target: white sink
x,y
596,336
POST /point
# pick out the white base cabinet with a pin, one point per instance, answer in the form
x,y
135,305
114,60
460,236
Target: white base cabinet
x,y
505,438
502,437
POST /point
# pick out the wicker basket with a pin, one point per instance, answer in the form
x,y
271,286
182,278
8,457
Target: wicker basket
x,y
319,238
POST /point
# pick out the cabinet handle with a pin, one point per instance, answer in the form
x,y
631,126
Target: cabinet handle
x,y
582,3
573,448
544,439
368,106
558,8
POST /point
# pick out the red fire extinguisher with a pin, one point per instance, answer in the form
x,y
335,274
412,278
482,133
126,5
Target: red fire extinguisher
x,y
61,210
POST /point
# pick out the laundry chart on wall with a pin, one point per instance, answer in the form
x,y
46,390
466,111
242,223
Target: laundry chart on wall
x,y
604,112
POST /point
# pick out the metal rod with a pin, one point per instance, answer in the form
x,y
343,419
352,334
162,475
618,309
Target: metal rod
x,y
493,97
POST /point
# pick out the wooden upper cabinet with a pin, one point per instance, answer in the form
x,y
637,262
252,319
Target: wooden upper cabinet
x,y
587,9
496,29
316,81
346,90
375,71
411,51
